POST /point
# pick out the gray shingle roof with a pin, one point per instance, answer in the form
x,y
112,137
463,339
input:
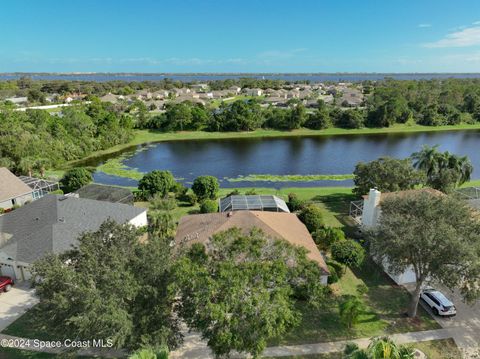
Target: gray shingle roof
x,y
53,223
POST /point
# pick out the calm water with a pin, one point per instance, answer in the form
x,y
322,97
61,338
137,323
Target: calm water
x,y
320,77
281,156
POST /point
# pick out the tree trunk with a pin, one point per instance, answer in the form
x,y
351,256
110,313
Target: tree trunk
x,y
412,309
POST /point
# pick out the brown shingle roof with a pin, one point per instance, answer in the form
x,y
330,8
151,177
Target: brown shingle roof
x,y
385,195
11,186
199,228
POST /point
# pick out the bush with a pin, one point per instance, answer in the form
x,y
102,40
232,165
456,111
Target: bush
x,y
206,187
235,192
191,198
157,182
75,178
57,191
362,289
209,206
251,192
2,210
325,237
350,348
140,195
339,268
348,252
312,217
294,204
333,277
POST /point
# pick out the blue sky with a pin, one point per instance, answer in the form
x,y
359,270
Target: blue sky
x,y
240,36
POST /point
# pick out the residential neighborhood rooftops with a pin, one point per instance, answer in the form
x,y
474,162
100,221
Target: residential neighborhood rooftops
x,y
53,223
253,202
11,186
199,228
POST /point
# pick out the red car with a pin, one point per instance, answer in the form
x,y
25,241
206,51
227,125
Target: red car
x,y
6,283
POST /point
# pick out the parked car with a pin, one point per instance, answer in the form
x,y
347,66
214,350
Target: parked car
x,y
439,303
6,283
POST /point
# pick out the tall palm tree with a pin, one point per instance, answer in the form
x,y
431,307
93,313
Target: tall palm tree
x,y
27,165
427,159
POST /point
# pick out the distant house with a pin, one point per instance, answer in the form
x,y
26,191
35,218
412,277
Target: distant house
x,y
235,90
53,224
367,214
109,98
254,92
253,203
200,87
199,228
17,100
13,191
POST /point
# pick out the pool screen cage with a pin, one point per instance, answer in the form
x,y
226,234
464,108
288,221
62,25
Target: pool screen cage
x,y
40,187
253,203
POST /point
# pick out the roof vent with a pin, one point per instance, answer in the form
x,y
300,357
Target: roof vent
x,y
61,219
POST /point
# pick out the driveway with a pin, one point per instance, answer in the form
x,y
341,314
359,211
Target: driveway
x,y
14,303
465,326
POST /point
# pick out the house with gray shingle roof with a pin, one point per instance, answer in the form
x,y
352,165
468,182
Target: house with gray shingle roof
x,y
53,224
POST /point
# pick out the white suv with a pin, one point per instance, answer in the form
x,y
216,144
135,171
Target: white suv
x,y
440,304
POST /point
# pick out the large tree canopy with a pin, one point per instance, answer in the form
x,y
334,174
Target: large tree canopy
x,y
387,175
240,292
435,235
111,286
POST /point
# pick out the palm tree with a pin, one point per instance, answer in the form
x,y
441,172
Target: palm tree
x,y
383,348
427,159
41,164
350,311
27,165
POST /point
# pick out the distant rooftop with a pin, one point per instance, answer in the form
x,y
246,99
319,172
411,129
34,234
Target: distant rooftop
x,y
253,203
106,193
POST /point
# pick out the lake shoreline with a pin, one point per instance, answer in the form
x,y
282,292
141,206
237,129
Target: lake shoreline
x,y
144,137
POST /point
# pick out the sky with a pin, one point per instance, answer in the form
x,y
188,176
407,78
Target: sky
x,y
240,36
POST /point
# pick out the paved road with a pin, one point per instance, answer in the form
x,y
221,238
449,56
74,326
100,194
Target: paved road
x,y
14,303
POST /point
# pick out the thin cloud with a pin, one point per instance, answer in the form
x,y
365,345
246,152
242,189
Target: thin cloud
x,y
424,25
469,36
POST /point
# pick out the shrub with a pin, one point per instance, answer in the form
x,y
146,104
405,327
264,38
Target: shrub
x,y
312,217
325,237
205,187
75,178
140,195
350,310
348,252
179,189
294,204
57,191
251,192
2,210
191,198
362,289
339,268
235,192
157,182
333,277
209,206
350,348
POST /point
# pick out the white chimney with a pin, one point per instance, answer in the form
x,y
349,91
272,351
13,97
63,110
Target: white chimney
x,y
371,208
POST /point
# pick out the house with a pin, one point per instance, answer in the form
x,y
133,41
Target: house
x,y
234,89
367,213
17,100
109,98
200,87
13,191
252,203
53,224
253,92
199,228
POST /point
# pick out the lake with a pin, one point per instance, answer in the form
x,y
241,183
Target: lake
x,y
230,159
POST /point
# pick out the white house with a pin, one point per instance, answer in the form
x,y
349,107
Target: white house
x,y
367,213
53,224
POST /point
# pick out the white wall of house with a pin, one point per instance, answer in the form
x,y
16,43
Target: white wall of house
x,y
370,217
140,220
20,200
18,271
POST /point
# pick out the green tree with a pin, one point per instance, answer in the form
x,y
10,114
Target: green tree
x,y
147,353
350,310
75,178
445,171
241,292
387,175
436,236
312,217
348,252
154,182
209,206
205,187
326,236
111,286
320,118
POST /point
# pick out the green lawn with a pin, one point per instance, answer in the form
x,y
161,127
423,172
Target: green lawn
x,y
385,307
12,353
28,326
